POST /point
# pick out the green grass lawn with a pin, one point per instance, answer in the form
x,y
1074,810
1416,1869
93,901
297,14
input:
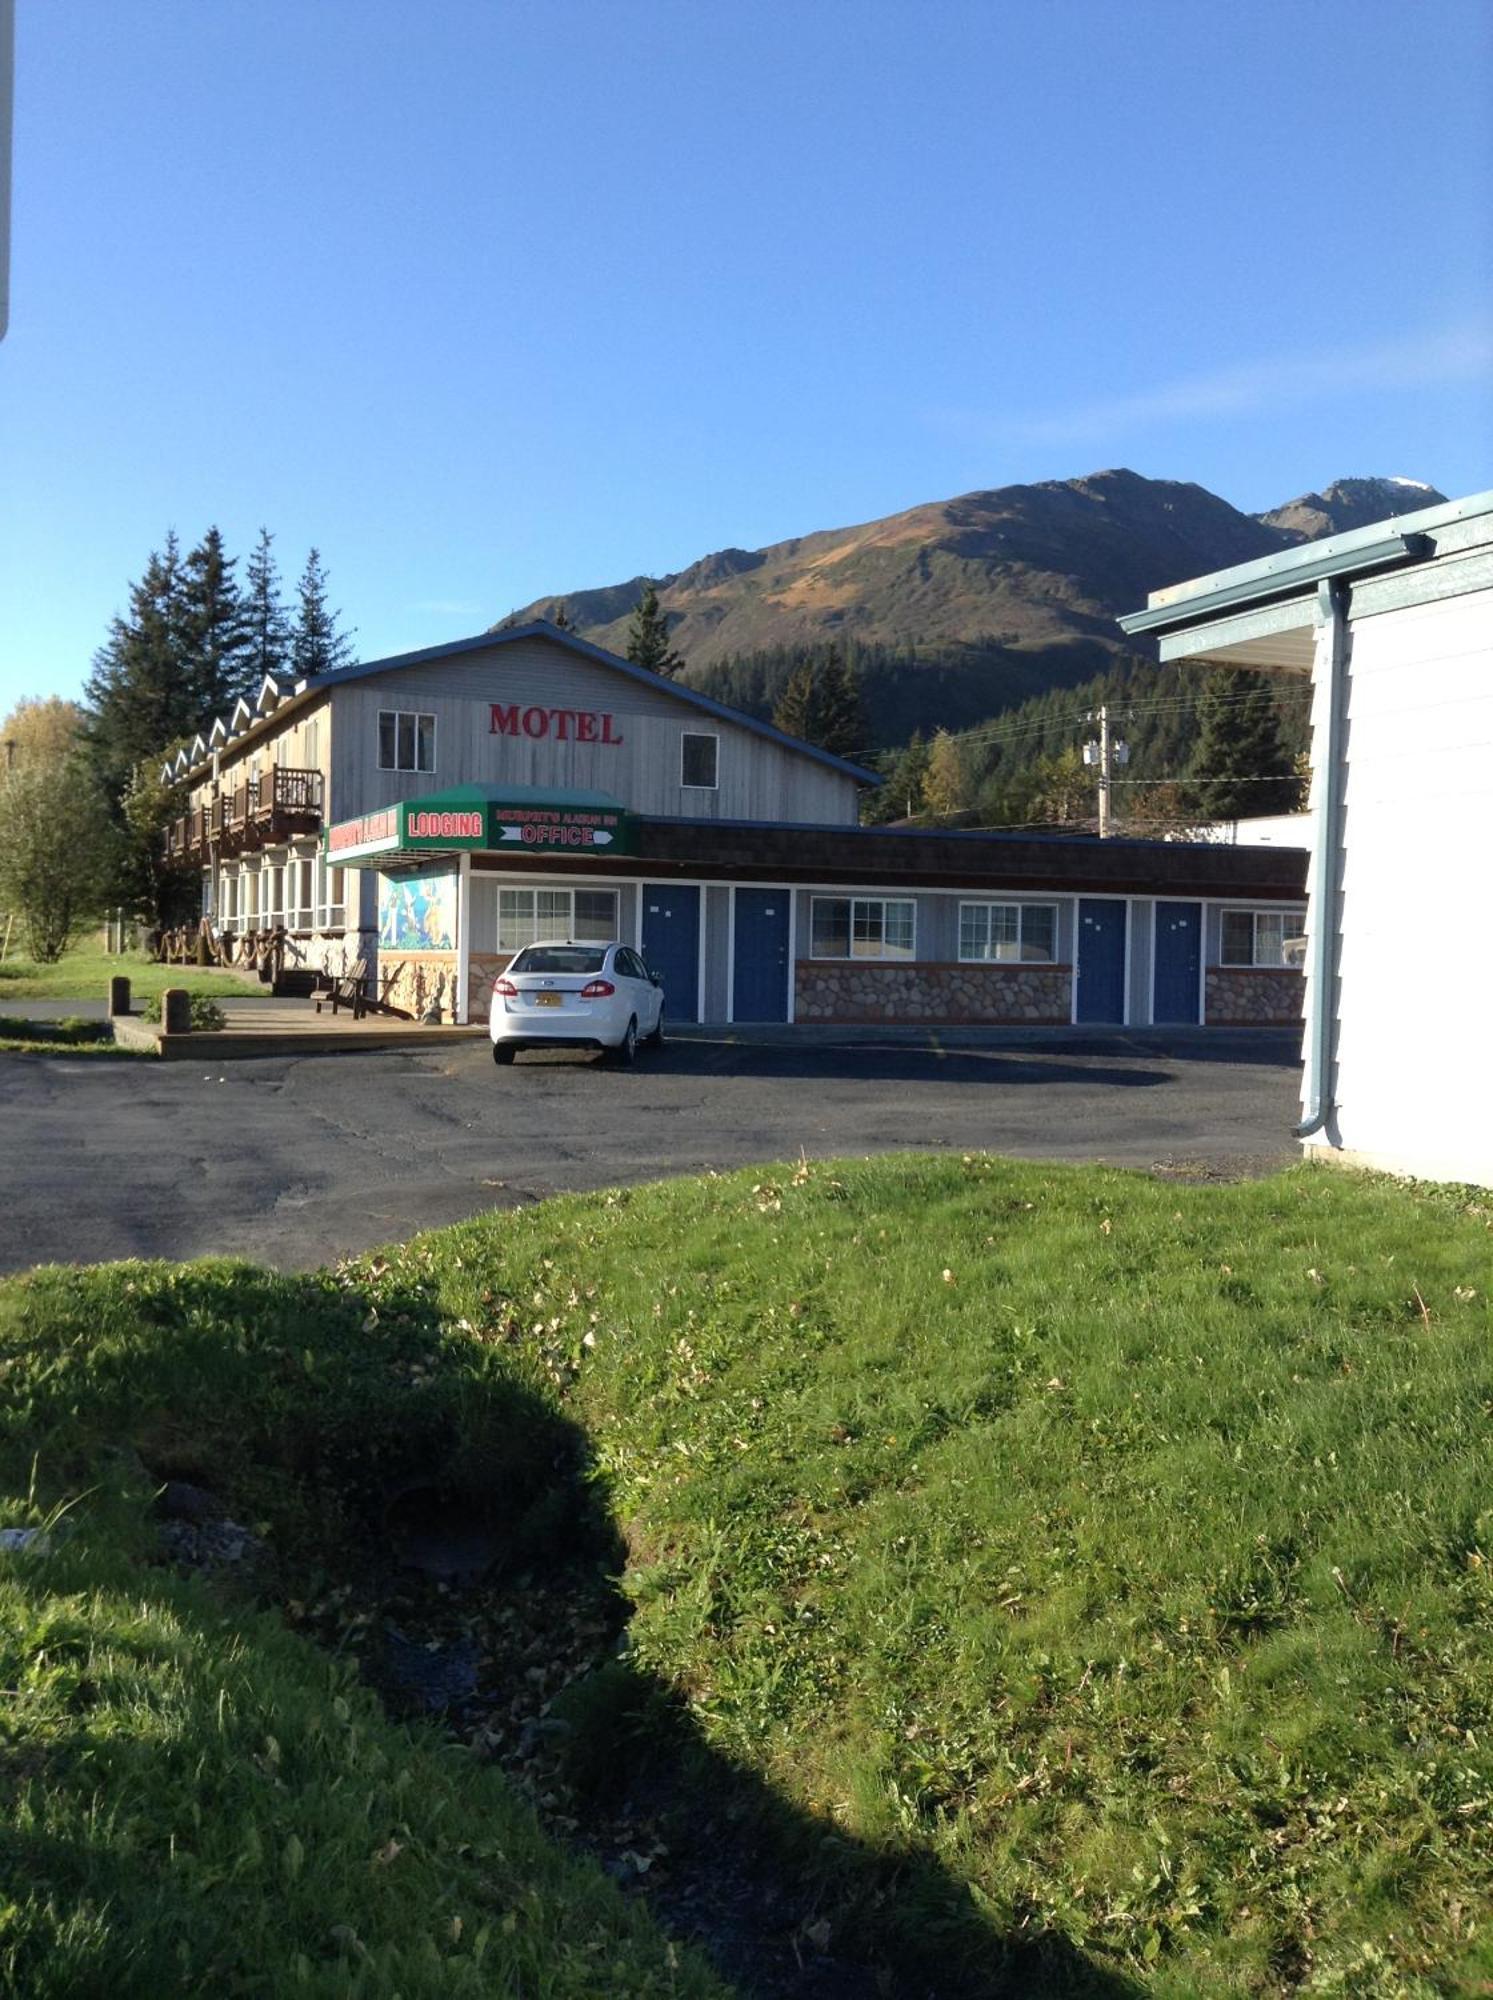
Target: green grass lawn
x,y
71,1036
84,972
1118,1552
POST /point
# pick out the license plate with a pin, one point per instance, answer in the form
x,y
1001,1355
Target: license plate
x,y
547,999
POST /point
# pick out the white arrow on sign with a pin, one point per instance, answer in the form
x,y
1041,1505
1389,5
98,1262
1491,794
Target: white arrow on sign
x,y
598,838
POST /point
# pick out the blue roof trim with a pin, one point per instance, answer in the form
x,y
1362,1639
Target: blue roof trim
x,y
540,628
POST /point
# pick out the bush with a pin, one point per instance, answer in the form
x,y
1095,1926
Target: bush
x,y
205,1014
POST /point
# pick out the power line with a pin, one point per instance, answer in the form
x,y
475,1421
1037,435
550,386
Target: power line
x,y
1139,707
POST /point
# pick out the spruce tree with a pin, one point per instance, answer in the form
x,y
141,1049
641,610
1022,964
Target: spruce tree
x,y
264,614
799,711
901,796
648,637
1240,768
842,724
317,644
144,691
216,637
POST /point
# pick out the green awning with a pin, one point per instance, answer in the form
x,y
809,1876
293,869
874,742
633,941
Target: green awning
x,y
502,819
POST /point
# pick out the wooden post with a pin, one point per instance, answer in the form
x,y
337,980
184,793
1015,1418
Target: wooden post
x,y
119,995
176,1011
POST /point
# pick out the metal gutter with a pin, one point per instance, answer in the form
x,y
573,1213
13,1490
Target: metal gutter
x,y
1386,553
1326,882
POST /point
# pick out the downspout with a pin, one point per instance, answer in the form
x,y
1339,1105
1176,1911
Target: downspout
x,y
1332,619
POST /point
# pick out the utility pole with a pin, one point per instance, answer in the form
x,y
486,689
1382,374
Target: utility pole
x,y
1106,753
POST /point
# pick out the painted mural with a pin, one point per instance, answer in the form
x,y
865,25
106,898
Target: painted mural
x,y
417,912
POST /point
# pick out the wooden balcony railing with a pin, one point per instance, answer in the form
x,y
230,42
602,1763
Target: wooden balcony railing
x,y
259,812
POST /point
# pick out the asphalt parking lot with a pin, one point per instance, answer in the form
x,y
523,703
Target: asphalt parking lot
x,y
296,1160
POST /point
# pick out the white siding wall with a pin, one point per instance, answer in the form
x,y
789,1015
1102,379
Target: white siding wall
x,y
758,779
1415,990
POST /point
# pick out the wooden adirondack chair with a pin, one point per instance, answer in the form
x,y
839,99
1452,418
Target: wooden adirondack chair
x,y
349,988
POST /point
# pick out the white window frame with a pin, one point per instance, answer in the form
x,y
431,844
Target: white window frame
x,y
512,942
414,716
1019,957
700,736
300,893
1278,963
331,895
850,956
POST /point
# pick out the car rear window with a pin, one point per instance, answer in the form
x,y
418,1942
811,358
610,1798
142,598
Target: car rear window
x,y
559,958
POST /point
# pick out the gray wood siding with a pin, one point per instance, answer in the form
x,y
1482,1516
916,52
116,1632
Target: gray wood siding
x,y
758,779
717,945
1139,968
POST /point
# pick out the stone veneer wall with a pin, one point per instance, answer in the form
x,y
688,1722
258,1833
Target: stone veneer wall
x,y
1253,996
855,990
483,968
419,977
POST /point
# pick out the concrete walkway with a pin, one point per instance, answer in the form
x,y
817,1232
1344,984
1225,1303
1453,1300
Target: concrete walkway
x,y
289,1028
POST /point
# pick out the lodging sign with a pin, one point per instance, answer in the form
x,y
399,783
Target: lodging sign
x,y
512,823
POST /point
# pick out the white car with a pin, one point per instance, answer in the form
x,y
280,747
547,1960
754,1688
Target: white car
x,y
575,995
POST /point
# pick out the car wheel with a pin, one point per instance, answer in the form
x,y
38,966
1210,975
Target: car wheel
x,y
626,1050
656,1039
503,1053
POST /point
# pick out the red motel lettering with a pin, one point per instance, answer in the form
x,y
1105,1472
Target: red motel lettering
x,y
580,725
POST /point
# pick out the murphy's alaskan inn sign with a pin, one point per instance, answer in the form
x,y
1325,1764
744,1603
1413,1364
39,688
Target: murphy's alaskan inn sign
x,y
485,819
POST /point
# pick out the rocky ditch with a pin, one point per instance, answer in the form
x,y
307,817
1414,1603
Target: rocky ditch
x,y
490,1609
529,1667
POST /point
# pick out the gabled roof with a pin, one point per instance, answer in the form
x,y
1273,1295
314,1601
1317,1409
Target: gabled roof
x,y
540,628
268,696
311,690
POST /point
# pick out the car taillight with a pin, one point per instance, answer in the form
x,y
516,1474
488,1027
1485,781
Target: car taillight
x,y
505,989
599,989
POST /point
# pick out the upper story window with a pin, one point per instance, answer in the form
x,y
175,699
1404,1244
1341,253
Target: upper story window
x,y
862,927
406,740
1257,937
699,761
998,933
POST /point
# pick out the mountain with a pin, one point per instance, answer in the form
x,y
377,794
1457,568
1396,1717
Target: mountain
x,y
1349,503
964,606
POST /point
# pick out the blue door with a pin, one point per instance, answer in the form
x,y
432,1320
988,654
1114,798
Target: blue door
x,y
1179,962
1101,960
759,987
671,945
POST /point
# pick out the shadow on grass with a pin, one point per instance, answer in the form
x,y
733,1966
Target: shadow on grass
x,y
432,1514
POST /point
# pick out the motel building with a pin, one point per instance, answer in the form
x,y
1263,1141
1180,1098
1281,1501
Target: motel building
x,y
432,813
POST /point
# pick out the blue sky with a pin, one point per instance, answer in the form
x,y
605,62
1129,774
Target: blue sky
x,y
489,300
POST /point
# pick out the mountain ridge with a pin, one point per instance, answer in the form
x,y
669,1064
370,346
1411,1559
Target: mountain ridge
x,y
1013,588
